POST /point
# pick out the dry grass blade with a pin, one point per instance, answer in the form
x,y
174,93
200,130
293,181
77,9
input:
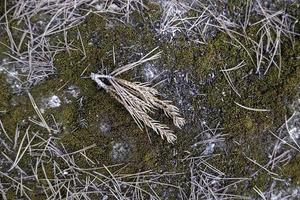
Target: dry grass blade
x,y
15,181
19,153
140,99
38,112
228,79
4,131
252,109
144,59
264,167
259,192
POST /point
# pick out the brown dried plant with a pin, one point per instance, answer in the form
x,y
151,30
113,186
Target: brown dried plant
x,y
140,99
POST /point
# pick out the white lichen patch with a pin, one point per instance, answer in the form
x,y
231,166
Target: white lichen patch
x,y
172,13
103,7
54,102
150,72
73,90
104,127
289,193
13,80
50,102
291,127
11,75
294,132
121,151
181,88
209,150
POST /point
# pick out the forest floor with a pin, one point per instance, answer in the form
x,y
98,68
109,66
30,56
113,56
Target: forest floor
x,y
231,67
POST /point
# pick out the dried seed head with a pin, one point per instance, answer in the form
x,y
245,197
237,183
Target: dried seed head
x,y
140,99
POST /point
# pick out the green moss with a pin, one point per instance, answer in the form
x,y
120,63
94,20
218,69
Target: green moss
x,y
99,104
153,13
269,91
17,114
4,95
291,170
258,92
3,40
236,6
2,8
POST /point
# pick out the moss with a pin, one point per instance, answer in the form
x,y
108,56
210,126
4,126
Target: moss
x,y
257,92
17,115
235,6
153,13
5,94
270,91
3,40
291,171
2,8
100,105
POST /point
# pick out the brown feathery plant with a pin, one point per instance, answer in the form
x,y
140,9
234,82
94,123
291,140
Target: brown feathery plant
x,y
140,99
